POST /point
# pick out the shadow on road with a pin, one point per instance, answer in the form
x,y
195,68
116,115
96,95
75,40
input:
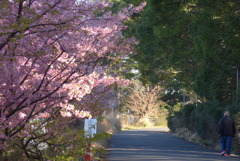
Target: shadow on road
x,y
147,145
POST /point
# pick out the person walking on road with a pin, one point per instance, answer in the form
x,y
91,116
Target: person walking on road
x,y
227,131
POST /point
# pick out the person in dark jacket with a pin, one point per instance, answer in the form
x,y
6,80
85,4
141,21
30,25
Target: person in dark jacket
x,y
227,131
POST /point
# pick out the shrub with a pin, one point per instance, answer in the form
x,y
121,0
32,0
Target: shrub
x,y
201,120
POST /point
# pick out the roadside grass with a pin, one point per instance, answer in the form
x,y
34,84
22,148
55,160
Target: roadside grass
x,y
142,127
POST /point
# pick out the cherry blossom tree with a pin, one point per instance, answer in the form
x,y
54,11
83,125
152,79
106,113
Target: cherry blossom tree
x,y
60,138
52,52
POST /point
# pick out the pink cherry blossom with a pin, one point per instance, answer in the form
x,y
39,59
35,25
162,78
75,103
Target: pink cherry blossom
x,y
22,115
50,54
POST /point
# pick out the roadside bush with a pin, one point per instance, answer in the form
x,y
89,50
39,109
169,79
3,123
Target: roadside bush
x,y
161,119
110,122
174,119
187,113
201,119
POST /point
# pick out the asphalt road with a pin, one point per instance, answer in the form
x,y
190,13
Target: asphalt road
x,y
153,144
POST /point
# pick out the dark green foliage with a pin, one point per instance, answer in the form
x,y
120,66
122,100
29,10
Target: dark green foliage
x,y
193,41
201,119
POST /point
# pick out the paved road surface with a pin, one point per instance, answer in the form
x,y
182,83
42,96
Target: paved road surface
x,y
152,144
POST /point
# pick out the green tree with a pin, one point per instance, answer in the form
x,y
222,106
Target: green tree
x,y
191,41
215,34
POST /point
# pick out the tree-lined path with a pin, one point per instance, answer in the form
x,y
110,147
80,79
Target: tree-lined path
x,y
152,144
